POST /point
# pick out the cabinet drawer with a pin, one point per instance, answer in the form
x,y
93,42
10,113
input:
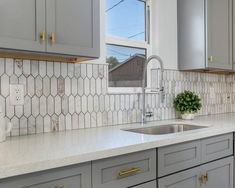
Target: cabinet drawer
x,y
125,171
178,157
152,184
69,177
217,147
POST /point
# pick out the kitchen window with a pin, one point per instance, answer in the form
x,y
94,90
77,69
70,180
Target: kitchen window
x,y
127,43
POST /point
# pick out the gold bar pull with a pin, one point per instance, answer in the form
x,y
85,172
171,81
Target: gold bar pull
x,y
53,38
211,58
59,186
128,172
42,36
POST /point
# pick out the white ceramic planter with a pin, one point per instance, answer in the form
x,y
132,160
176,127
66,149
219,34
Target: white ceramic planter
x,y
188,116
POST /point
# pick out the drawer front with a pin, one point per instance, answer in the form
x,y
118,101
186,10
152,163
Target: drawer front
x,y
184,179
124,171
217,147
69,177
70,182
152,184
178,157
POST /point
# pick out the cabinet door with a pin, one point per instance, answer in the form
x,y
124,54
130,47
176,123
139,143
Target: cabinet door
x,y
219,34
151,184
21,23
73,27
78,176
185,179
219,173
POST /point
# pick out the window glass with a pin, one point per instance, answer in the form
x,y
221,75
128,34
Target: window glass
x,y
125,65
126,19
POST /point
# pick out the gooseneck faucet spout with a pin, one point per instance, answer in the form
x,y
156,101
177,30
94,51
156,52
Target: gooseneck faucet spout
x,y
161,88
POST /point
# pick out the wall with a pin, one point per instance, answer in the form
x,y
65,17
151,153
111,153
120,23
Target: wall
x,y
62,96
164,31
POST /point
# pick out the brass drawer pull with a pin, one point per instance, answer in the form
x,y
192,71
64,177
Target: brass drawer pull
x,y
42,36
128,172
59,186
53,38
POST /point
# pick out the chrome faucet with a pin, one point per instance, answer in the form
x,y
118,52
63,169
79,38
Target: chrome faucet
x,y
161,88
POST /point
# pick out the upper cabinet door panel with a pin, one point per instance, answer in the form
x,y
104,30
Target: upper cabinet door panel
x,y
75,26
21,23
219,33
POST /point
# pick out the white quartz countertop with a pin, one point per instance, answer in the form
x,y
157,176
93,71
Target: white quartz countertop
x,y
27,154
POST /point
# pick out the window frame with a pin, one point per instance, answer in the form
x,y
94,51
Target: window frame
x,y
110,40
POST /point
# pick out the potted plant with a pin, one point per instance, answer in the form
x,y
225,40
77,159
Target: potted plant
x,y
187,103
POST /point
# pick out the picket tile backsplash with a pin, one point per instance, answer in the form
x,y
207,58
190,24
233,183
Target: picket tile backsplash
x,y
65,96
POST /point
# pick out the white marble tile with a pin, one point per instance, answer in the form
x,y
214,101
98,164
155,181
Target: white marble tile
x,y
68,120
5,85
39,124
35,106
43,106
47,124
50,105
34,68
46,86
71,105
58,105
2,66
54,88
9,66
50,69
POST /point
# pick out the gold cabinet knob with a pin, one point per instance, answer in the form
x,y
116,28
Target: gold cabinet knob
x,y
211,58
205,178
42,36
201,180
53,37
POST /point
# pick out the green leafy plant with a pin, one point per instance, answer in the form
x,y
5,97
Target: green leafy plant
x,y
187,102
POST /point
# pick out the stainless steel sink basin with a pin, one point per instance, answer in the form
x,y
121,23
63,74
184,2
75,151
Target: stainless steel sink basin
x,y
166,129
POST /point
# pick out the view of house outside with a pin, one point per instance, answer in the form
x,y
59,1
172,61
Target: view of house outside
x,y
125,19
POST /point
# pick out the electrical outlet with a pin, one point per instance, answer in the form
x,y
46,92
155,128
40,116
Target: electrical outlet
x,y
17,95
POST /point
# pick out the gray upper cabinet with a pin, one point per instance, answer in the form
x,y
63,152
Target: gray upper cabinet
x,y
73,27
22,22
205,34
233,35
53,27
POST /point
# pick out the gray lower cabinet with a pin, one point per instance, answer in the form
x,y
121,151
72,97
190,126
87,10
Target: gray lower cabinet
x,y
178,157
125,171
218,174
21,24
205,34
78,176
152,184
182,156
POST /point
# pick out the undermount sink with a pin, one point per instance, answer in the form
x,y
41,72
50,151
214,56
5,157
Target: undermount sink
x,y
166,129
